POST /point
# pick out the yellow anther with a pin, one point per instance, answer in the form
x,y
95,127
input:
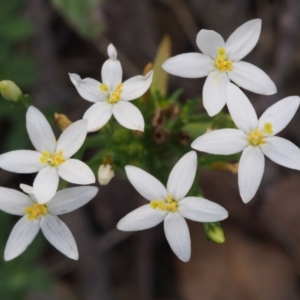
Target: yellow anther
x,y
169,204
103,87
256,138
54,159
221,61
116,94
33,212
268,128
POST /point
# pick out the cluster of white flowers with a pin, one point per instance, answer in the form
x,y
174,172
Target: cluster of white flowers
x,y
220,62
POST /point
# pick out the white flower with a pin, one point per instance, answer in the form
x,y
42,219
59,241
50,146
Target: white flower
x,y
52,158
254,137
44,216
112,97
170,204
105,174
220,62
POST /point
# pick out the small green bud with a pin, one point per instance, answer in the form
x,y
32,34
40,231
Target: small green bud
x,y
9,90
214,232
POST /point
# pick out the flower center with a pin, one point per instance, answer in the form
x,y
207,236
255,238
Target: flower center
x,y
256,137
169,204
54,159
115,95
221,62
33,212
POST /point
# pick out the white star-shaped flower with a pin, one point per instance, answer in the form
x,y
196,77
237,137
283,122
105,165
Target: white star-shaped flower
x,y
220,62
170,204
112,97
51,158
44,216
255,137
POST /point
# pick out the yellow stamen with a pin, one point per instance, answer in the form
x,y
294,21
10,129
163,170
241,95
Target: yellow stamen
x,y
33,212
268,128
116,94
221,61
103,87
256,138
54,159
169,204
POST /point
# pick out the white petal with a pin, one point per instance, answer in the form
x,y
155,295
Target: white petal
x,y
88,88
21,161
136,86
280,114
45,184
72,138
70,199
222,141
214,97
98,115
282,152
178,236
26,188
189,65
21,237
76,171
147,185
13,202
59,235
209,42
252,78
243,40
141,218
128,115
111,70
201,210
39,130
182,176
251,169
240,108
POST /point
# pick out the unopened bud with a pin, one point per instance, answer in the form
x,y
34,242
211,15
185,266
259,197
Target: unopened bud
x,y
225,166
105,174
214,232
62,120
9,90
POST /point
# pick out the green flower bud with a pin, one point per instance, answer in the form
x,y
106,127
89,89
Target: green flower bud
x,y
214,232
9,90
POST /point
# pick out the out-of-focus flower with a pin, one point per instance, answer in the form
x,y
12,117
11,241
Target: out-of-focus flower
x,y
37,216
220,62
105,174
9,90
171,204
112,97
255,137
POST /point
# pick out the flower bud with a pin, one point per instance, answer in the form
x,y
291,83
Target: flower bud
x,y
62,120
9,90
105,174
214,232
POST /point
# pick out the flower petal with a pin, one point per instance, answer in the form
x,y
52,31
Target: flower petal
x,y
178,235
240,108
45,184
147,185
72,138
141,218
252,78
128,115
182,176
214,97
21,161
21,237
136,86
88,88
59,235
13,202
209,42
243,40
189,65
280,114
70,199
98,115
222,141
111,70
282,152
76,171
201,210
26,188
251,169
39,130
